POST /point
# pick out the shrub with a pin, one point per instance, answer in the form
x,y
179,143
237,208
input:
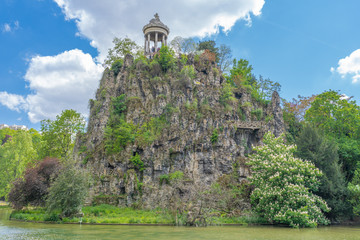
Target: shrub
x,y
164,179
165,58
258,113
214,136
68,192
33,188
119,104
183,59
116,66
171,177
227,95
284,186
138,163
188,72
118,134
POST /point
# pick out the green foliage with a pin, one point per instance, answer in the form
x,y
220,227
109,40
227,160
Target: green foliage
x,y
192,106
15,155
258,113
284,186
138,163
335,115
349,155
338,117
313,146
116,66
151,130
121,48
68,192
118,105
246,105
241,74
241,77
354,189
5,132
171,177
183,59
164,179
214,136
59,135
268,118
265,88
165,58
188,72
224,57
215,71
118,134
227,95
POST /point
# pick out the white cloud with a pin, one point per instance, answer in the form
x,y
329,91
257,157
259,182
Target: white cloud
x,y
12,101
101,21
6,27
350,65
64,81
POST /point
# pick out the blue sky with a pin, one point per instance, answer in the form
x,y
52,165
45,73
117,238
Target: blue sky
x,y
51,51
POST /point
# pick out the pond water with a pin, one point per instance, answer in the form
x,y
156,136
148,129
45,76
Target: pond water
x,y
22,230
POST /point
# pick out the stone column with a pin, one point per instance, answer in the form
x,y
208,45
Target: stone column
x,y
166,41
145,50
156,39
163,40
148,43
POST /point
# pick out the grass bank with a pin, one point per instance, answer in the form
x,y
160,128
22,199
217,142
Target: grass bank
x,y
107,214
101,214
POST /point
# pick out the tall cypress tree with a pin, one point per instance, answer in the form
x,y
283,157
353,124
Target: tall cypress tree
x,y
316,148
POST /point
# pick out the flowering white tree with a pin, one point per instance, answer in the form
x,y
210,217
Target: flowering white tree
x,y
284,185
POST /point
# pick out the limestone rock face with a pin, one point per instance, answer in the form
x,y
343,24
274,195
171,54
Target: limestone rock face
x,y
188,143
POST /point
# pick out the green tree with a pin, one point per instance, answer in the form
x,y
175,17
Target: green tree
x,y
335,115
59,135
313,146
122,46
69,191
266,87
225,57
354,189
240,74
284,185
339,118
15,155
211,46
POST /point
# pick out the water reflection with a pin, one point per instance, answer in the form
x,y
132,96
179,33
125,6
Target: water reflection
x,y
22,230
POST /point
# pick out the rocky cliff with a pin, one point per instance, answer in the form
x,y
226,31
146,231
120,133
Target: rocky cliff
x,y
183,121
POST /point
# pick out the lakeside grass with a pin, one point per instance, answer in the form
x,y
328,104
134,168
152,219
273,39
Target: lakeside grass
x,y
108,214
102,214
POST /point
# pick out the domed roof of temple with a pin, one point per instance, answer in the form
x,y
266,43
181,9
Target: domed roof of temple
x,y
155,22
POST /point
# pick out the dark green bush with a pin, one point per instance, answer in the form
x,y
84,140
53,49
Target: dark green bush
x,y
116,66
214,136
165,58
138,163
